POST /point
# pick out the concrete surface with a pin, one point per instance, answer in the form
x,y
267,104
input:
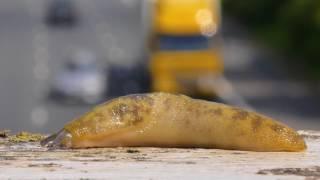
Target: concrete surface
x,y
30,161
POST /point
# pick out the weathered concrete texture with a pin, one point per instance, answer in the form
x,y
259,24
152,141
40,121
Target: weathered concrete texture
x,y
29,160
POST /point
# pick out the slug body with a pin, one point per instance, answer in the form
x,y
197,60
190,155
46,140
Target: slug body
x,y
167,120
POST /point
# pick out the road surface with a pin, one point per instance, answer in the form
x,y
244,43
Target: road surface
x,y
32,52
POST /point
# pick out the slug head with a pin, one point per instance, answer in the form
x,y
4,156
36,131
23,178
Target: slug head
x,y
104,122
59,140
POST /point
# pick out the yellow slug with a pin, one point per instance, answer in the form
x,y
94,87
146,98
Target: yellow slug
x,y
167,120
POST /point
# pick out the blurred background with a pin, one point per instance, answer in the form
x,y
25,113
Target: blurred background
x,y
58,58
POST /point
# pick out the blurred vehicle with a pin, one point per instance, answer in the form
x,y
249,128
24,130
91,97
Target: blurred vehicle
x,y
123,80
81,81
61,12
185,45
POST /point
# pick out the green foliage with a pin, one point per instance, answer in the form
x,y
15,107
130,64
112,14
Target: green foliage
x,y
289,25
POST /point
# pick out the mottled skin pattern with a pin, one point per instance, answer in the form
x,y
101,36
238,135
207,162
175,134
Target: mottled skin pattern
x,y
166,120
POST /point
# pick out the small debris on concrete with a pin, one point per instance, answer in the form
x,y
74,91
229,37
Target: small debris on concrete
x,y
47,165
132,151
313,171
26,137
4,133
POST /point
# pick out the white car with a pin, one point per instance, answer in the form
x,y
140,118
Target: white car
x,y
80,80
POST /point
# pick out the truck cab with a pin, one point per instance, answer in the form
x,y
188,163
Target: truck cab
x,y
185,44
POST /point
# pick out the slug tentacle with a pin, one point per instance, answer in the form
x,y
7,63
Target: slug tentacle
x,y
61,139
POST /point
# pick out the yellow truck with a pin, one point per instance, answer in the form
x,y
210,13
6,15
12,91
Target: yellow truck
x,y
185,45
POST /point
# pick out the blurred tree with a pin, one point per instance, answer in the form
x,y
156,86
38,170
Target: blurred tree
x,y
292,26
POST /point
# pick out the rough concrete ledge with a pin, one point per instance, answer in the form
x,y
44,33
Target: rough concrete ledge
x,y
30,161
